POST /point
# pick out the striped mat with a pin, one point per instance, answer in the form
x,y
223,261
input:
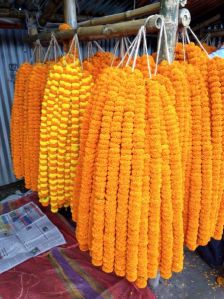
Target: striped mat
x,y
63,273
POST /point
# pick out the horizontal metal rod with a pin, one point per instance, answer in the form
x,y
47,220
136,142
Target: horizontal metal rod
x,y
104,31
124,16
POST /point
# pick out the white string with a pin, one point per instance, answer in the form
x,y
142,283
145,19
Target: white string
x,y
166,44
132,47
126,43
200,44
159,46
146,52
187,36
49,48
98,46
79,50
127,53
183,43
115,51
137,47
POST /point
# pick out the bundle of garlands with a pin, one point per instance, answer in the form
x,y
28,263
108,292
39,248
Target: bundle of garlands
x,y
150,168
25,121
65,98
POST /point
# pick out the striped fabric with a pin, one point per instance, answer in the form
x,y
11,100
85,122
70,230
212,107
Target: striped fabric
x,y
64,272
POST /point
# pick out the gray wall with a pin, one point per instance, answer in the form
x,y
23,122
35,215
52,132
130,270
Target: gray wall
x,y
13,52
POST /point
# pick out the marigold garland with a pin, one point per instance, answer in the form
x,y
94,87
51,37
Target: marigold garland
x,y
217,129
17,119
155,143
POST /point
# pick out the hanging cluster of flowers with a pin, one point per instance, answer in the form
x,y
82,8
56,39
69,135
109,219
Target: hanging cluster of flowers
x,y
25,122
139,158
65,98
145,188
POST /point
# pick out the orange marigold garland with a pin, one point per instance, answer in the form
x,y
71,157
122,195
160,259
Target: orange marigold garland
x,y
217,123
124,185
176,168
136,88
85,191
36,86
113,177
220,212
17,120
206,166
154,107
196,177
166,255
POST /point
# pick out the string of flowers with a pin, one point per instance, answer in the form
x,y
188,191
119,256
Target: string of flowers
x,y
166,255
136,88
113,176
153,103
36,85
17,117
124,184
217,123
194,201
220,212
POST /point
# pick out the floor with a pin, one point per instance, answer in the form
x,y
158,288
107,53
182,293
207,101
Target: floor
x,y
197,281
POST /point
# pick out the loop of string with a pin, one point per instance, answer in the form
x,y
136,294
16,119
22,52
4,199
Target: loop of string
x,y
75,47
115,51
127,52
57,52
124,48
38,52
145,49
89,50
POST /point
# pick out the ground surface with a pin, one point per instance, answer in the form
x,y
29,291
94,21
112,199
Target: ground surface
x,y
197,281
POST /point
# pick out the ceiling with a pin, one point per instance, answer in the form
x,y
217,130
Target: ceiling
x,y
52,10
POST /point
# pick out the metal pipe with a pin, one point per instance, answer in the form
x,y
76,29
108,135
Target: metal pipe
x,y
70,13
170,10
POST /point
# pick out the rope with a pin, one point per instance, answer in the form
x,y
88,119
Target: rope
x,y
98,46
49,48
200,44
137,47
159,47
146,52
115,51
183,43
